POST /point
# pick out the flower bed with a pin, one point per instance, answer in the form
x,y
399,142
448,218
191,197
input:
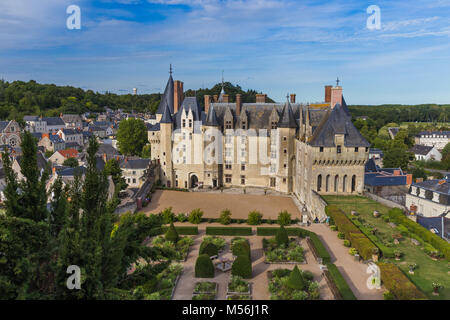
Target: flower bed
x,y
205,291
180,249
217,241
281,286
274,253
238,286
162,286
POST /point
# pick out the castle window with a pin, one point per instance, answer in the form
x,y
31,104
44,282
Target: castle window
x,y
339,149
243,167
285,151
319,183
228,125
244,125
228,178
184,123
284,180
190,123
284,138
356,149
242,180
176,183
273,182
274,125
228,167
367,149
321,149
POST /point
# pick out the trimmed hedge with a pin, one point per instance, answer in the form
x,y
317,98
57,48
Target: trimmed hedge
x,y
208,248
204,267
242,267
339,281
352,233
396,215
241,248
229,231
272,231
398,283
172,234
185,230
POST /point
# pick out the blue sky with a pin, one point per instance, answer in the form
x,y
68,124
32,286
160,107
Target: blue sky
x,y
273,46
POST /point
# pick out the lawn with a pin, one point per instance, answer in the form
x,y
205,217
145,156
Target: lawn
x,y
428,270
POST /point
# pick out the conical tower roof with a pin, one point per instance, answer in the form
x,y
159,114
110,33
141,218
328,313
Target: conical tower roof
x,y
287,119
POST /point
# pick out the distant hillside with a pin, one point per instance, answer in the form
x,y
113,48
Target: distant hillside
x,y
20,98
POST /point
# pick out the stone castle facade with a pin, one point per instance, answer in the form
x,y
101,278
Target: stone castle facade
x,y
293,148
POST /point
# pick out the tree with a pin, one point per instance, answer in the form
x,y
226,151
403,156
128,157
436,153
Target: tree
x,y
396,158
254,218
71,162
195,217
204,267
446,151
282,237
132,136
146,151
225,217
296,280
172,234
112,168
284,218
242,267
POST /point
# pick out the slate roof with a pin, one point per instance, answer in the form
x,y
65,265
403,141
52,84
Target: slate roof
x,y
442,224
107,149
420,149
54,121
211,119
337,121
72,145
433,185
189,103
30,118
287,119
394,131
69,132
41,162
167,97
153,127
71,172
376,176
167,115
135,164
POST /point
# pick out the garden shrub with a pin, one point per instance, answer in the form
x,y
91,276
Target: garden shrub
x,y
387,295
296,280
229,231
403,230
282,236
398,284
167,215
341,235
346,243
284,218
225,217
181,217
242,267
209,248
172,234
333,228
364,246
396,215
204,267
254,218
241,247
195,217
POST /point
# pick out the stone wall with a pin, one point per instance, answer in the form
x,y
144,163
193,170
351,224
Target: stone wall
x,y
383,201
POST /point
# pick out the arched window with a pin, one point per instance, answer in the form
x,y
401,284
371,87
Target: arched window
x,y
344,184
327,183
353,183
319,183
336,183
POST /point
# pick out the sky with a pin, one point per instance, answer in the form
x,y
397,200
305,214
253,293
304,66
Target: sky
x,y
273,46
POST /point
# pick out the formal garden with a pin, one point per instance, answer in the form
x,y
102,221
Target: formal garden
x,y
172,242
414,262
282,249
285,284
205,291
238,289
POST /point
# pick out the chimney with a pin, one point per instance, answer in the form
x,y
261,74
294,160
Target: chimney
x,y
328,94
177,95
238,104
226,98
215,98
104,157
207,102
53,170
336,96
260,98
292,97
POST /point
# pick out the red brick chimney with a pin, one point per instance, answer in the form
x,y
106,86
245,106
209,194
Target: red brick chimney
x,y
207,102
328,94
336,96
178,95
261,98
238,104
104,157
292,97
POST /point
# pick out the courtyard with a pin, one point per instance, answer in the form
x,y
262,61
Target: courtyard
x,y
213,203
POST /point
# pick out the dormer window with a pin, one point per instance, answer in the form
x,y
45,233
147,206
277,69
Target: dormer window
x,y
228,125
339,149
274,124
321,149
190,123
244,125
184,123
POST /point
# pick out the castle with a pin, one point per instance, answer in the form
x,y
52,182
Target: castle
x,y
293,148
